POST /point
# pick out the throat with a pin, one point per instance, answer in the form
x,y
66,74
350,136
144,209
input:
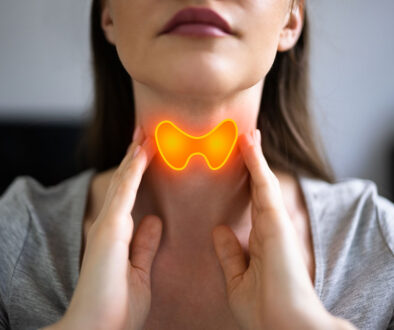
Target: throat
x,y
194,201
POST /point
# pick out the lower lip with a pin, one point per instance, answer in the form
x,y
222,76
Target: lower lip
x,y
198,30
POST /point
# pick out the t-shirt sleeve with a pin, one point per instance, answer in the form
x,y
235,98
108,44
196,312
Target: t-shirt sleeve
x,y
391,325
4,324
385,215
14,224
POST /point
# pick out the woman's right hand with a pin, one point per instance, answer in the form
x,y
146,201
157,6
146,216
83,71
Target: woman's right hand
x,y
113,290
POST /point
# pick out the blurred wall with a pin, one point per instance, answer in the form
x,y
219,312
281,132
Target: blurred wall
x,y
44,59
353,85
45,73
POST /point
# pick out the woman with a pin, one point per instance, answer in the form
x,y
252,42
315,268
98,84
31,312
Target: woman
x,y
269,241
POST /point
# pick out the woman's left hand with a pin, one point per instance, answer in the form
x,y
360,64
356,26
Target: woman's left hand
x,y
275,290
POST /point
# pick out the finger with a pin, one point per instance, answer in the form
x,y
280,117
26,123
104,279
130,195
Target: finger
x,y
138,138
264,181
129,177
114,222
230,255
145,244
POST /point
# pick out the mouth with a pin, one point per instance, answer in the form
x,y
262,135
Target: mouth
x,y
197,21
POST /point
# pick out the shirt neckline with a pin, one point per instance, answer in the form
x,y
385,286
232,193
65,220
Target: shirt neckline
x,y
87,177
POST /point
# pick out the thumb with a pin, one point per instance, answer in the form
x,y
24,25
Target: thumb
x,y
230,255
145,243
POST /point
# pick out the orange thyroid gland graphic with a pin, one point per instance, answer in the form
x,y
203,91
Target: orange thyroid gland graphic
x,y
177,147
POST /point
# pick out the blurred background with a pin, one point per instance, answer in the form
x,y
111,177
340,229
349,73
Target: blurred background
x,y
46,87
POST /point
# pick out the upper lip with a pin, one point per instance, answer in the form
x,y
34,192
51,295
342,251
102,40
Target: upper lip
x,y
197,15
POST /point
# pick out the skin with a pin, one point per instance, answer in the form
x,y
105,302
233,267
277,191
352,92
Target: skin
x,y
229,248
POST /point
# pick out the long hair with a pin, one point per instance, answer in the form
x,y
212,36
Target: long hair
x,y
289,141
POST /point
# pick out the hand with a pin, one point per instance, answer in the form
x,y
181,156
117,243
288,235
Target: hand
x,y
274,291
113,290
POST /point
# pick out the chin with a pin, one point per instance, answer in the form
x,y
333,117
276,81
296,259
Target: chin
x,y
198,88
197,78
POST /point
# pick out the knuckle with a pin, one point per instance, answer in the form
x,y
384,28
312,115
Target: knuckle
x,y
267,204
270,183
121,188
99,229
262,184
131,169
126,188
254,163
134,168
108,230
269,228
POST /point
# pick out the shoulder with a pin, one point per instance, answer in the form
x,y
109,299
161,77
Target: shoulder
x,y
385,215
353,232
351,205
14,224
30,214
344,191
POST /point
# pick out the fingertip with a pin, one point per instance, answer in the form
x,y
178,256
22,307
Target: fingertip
x,y
258,132
155,222
136,132
149,231
136,151
217,238
216,230
149,146
138,135
220,234
137,139
242,143
214,233
146,243
153,226
246,140
247,147
230,254
242,138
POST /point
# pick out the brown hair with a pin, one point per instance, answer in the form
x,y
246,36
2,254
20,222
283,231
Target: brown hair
x,y
288,139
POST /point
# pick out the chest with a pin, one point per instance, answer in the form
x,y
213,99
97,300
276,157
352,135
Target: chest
x,y
189,297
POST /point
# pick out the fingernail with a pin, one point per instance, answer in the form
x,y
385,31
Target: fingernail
x,y
258,133
147,140
255,136
136,151
137,133
149,145
249,137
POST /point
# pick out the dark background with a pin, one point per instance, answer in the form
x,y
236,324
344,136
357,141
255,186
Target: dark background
x,y
45,151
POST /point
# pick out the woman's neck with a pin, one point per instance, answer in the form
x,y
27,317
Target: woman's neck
x,y
193,201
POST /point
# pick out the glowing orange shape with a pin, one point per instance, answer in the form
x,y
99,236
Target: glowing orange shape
x,y
177,147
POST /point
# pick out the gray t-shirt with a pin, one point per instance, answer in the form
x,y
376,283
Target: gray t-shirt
x,y
41,232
